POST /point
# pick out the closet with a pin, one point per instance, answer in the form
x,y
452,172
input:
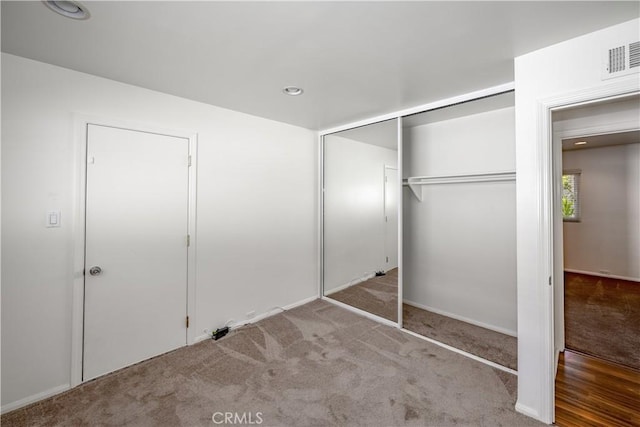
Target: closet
x,y
360,186
455,219
459,240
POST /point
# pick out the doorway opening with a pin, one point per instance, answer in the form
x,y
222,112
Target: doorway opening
x,y
596,164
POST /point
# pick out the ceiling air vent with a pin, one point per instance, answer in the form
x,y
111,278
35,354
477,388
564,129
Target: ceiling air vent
x,y
622,60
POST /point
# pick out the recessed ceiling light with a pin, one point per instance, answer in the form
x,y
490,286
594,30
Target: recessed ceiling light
x,y
293,90
70,9
580,143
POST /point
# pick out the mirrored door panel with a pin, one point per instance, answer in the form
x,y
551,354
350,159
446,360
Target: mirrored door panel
x,y
360,218
459,222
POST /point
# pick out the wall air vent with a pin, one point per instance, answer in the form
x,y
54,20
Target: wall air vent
x,y
617,59
622,60
634,55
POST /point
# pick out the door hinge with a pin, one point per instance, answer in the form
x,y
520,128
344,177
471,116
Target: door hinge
x,y
189,161
549,280
188,240
387,259
386,218
187,321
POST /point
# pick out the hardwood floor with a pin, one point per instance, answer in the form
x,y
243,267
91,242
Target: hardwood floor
x,y
594,392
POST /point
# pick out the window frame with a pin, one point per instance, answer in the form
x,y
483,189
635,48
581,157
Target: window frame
x,y
577,216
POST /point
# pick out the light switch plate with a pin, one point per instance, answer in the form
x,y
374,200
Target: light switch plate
x,y
53,219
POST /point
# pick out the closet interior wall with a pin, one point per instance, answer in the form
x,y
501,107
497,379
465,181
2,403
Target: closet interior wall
x,y
459,241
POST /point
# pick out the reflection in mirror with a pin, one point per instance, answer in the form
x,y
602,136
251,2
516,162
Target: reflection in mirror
x,y
459,229
360,218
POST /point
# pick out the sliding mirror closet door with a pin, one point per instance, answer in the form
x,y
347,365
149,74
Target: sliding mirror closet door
x,y
459,222
360,218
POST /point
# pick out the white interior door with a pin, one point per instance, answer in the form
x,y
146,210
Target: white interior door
x,y
391,217
136,234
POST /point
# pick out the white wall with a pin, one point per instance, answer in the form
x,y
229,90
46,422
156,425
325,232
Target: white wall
x,y
596,119
256,243
572,68
459,242
354,228
608,234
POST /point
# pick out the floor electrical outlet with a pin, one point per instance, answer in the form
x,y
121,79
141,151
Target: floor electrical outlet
x,y
219,333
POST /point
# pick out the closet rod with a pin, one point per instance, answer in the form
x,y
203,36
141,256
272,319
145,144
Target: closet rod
x,y
414,181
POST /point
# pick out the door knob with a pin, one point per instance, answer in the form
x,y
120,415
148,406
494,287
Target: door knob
x,y
95,271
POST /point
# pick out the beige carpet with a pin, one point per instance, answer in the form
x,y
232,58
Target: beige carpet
x,y
494,346
315,365
378,295
602,318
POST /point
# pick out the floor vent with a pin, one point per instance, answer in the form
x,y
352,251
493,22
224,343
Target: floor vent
x,y
622,60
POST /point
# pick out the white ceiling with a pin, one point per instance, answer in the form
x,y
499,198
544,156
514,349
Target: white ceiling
x,y
598,141
354,59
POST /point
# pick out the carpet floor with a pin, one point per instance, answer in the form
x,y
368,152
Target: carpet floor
x,y
494,346
378,295
602,318
317,364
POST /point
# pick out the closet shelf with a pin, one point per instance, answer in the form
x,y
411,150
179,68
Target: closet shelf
x,y
415,183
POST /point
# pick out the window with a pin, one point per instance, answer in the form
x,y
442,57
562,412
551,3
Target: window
x,y
571,195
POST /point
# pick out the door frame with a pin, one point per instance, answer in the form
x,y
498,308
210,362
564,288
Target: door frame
x,y
399,117
558,239
545,229
76,271
384,201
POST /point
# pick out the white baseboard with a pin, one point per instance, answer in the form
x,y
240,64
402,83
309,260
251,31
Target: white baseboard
x,y
529,412
260,317
610,276
34,398
275,311
301,302
199,338
463,319
351,283
339,288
